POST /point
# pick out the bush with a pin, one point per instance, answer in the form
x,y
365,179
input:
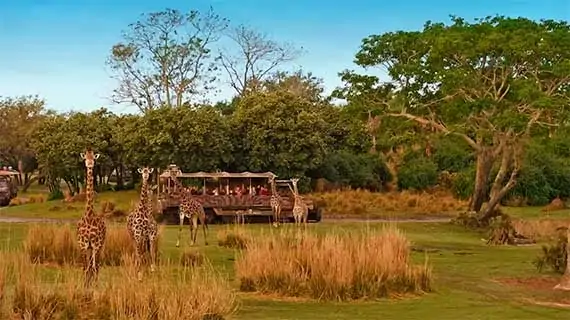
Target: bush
x,y
332,267
554,255
452,155
463,183
418,174
56,194
355,170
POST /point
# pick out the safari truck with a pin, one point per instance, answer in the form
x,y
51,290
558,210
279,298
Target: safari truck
x,y
224,193
8,189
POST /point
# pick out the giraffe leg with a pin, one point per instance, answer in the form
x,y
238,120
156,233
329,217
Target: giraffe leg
x,y
193,229
180,229
152,250
139,251
278,215
204,226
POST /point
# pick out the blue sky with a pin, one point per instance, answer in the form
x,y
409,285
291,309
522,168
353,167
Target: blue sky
x,y
57,48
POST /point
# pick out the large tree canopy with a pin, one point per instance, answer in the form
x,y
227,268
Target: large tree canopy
x,y
493,83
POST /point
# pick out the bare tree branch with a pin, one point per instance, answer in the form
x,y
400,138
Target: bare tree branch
x,y
256,57
165,59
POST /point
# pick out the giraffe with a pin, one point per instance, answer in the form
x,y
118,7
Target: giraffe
x,y
91,229
275,202
142,227
189,208
300,209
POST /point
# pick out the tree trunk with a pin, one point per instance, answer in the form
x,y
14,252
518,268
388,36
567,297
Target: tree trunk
x,y
565,281
485,161
499,190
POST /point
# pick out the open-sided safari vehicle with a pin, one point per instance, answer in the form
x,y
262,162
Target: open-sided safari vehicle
x,y
8,189
223,193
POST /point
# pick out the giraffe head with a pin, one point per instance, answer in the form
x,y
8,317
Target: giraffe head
x,y
294,183
89,158
145,172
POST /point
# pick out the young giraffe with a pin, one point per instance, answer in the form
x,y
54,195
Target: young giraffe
x,y
142,226
275,203
300,209
91,229
189,208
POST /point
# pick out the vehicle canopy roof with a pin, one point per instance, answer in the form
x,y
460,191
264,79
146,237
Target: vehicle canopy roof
x,y
8,173
242,175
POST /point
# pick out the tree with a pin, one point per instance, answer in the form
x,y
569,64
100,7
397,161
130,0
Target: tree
x,y
19,117
494,83
165,58
256,58
278,129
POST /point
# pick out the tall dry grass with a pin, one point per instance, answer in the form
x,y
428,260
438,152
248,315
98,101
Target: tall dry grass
x,y
191,293
540,229
333,266
57,244
360,203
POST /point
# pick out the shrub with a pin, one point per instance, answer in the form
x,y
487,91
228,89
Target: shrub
x,y
452,155
554,255
56,194
332,267
463,183
355,170
417,174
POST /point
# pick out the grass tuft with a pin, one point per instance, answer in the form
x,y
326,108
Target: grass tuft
x,y
333,266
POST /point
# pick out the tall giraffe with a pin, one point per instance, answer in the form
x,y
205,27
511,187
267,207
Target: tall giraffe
x,y
142,226
189,208
275,202
300,209
91,229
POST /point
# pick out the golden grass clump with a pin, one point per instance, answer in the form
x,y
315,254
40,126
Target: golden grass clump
x,y
332,267
234,238
540,229
57,244
359,203
198,293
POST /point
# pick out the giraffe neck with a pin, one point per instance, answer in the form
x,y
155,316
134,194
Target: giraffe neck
x,y
144,196
298,200
274,190
89,192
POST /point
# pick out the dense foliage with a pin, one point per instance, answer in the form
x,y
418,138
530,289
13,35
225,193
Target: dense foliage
x,y
478,107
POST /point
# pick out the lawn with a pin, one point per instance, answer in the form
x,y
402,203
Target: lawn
x,y
472,280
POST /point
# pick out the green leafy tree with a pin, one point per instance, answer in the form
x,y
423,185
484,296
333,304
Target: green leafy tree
x,y
281,127
19,117
494,83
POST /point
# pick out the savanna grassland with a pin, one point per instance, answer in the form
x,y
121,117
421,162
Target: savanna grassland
x,y
362,269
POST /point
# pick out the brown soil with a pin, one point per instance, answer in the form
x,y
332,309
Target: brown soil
x,y
533,283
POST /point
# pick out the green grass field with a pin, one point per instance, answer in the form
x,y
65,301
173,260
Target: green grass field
x,y
470,277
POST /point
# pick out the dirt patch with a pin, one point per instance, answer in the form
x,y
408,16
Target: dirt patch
x,y
531,283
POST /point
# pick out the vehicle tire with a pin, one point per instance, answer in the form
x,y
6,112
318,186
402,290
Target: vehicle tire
x,y
210,216
316,214
4,202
